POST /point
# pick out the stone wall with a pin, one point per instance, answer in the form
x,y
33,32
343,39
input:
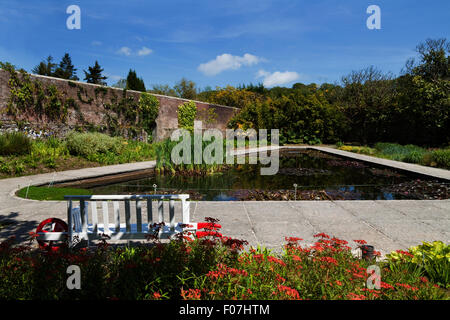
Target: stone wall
x,y
92,109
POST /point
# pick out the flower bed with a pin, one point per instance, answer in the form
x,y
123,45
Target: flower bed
x,y
209,268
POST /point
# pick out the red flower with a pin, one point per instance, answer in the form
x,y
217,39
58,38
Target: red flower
x,y
323,235
406,253
292,239
360,241
290,292
191,294
339,241
273,259
407,286
385,285
329,260
156,295
258,258
280,278
354,296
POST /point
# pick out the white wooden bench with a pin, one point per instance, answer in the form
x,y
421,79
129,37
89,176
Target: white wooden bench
x,y
86,224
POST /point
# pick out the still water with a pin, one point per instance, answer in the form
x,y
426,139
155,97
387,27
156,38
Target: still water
x,y
311,170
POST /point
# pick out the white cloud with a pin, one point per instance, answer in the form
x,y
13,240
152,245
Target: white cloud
x,y
124,51
144,51
227,61
277,78
96,43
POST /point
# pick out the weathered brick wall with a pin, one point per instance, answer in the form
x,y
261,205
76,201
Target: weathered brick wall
x,y
92,106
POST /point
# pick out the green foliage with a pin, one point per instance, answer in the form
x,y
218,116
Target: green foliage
x,y
148,108
54,153
14,143
441,157
186,115
300,119
94,75
208,116
66,70
164,163
408,153
90,143
368,106
27,95
45,67
163,89
430,259
211,268
186,89
134,83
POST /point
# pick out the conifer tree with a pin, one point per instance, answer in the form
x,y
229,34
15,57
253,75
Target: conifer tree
x,y
133,82
94,75
66,70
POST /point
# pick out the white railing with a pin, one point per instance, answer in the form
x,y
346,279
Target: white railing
x,y
91,225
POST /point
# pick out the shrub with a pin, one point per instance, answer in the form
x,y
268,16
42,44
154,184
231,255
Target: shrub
x,y
186,115
414,157
14,143
149,108
91,143
400,153
363,150
430,259
441,157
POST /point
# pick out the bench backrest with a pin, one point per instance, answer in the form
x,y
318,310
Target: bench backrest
x,y
77,217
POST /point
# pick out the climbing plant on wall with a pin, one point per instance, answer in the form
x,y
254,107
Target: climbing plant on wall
x,y
148,111
27,95
186,115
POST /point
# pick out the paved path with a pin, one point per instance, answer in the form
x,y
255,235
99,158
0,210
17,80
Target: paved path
x,y
388,225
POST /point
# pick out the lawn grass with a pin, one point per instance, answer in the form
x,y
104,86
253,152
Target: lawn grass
x,y
406,153
50,193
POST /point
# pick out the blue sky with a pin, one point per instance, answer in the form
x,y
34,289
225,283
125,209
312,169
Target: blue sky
x,y
217,42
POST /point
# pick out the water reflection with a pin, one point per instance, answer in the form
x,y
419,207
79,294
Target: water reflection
x,y
310,170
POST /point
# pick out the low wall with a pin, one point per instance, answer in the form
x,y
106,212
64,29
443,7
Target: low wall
x,y
92,102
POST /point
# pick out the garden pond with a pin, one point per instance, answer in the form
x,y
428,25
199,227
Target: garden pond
x,y
317,176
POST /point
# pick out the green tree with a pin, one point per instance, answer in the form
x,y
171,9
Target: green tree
x,y
434,63
186,89
94,75
163,89
66,70
134,83
367,97
45,67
